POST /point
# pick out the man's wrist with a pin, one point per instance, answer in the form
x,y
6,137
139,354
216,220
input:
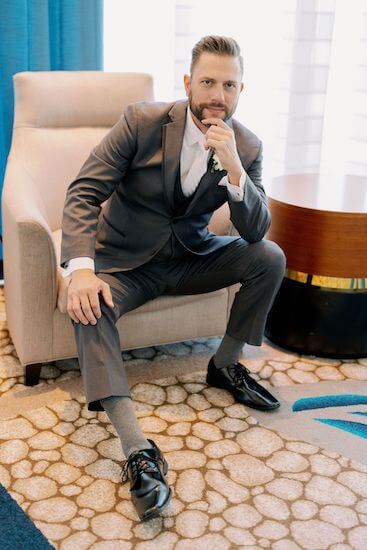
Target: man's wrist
x,y
234,177
81,270
81,262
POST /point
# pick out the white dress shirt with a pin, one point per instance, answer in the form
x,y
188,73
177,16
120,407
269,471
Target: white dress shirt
x,y
193,165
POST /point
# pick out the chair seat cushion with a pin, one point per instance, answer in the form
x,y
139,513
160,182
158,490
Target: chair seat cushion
x,y
158,304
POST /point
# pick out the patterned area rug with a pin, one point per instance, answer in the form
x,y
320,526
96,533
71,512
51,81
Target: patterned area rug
x,y
238,481
332,415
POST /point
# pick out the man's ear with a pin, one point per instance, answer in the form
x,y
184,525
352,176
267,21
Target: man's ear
x,y
187,84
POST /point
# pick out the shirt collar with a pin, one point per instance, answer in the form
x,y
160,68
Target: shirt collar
x,y
192,133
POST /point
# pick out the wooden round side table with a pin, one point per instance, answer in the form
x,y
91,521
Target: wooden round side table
x,y
320,222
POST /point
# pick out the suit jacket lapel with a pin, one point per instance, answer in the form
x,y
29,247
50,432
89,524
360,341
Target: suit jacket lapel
x,y
173,133
208,184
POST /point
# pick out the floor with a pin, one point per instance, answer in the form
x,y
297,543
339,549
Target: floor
x,y
236,483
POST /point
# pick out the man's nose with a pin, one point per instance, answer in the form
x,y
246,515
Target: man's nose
x,y
218,95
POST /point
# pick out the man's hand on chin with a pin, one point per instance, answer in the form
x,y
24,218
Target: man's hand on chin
x,y
221,138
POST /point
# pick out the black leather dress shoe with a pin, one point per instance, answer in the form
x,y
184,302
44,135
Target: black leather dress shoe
x,y
149,490
236,379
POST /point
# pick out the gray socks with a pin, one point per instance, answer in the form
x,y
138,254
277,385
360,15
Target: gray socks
x,y
229,351
121,412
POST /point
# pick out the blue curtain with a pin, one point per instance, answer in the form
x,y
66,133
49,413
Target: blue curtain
x,y
44,35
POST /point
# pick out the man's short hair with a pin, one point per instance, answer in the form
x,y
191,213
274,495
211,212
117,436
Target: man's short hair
x,y
220,45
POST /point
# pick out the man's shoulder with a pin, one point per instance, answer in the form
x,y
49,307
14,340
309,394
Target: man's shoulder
x,y
153,110
245,134
248,144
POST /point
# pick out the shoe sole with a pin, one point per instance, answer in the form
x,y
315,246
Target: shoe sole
x,y
156,511
253,406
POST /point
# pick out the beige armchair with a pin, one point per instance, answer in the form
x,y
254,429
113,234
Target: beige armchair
x,y
59,117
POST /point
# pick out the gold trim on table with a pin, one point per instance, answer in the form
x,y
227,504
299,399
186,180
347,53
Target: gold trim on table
x,y
342,283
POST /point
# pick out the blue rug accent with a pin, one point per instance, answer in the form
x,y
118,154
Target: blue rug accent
x,y
324,401
360,413
356,428
17,530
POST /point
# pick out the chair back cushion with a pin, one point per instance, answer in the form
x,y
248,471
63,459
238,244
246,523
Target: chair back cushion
x,y
59,117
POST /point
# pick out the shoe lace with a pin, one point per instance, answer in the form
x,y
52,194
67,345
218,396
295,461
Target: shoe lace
x,y
139,462
238,373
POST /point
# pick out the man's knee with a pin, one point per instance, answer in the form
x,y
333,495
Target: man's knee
x,y
275,255
106,310
270,256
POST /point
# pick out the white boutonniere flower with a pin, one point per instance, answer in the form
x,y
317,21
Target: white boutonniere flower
x,y
216,164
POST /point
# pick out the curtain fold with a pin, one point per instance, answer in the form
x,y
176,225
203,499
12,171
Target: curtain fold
x,y
44,35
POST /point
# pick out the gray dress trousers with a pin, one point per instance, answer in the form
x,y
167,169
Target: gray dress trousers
x,y
259,267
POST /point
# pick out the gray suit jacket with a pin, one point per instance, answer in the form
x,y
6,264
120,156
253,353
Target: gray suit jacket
x,y
135,168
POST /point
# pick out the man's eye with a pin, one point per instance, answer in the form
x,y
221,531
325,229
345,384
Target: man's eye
x,y
207,81
231,84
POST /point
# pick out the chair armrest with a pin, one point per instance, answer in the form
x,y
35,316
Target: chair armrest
x,y
219,223
29,265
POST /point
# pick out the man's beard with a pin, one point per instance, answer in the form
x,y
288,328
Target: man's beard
x,y
197,110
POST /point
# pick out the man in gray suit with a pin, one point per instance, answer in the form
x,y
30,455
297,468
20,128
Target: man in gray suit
x,y
165,168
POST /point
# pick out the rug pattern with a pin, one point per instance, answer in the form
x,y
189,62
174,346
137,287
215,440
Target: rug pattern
x,y
236,483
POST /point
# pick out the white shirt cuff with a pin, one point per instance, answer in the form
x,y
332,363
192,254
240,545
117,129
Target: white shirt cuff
x,y
83,262
236,192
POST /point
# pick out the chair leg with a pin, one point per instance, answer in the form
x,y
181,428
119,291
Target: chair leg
x,y
32,374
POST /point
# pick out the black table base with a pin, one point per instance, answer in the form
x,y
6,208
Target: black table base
x,y
319,321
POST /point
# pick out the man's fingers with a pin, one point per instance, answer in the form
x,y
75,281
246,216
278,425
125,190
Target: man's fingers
x,y
78,311
219,130
71,312
220,137
87,310
94,302
221,145
107,295
217,121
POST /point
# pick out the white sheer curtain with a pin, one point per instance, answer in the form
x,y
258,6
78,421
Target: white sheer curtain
x,y
344,143
305,75
139,36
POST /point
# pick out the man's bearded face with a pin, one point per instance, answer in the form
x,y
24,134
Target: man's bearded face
x,y
198,109
214,87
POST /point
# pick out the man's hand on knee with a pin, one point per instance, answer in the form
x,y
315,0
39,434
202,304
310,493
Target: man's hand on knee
x,y
83,300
